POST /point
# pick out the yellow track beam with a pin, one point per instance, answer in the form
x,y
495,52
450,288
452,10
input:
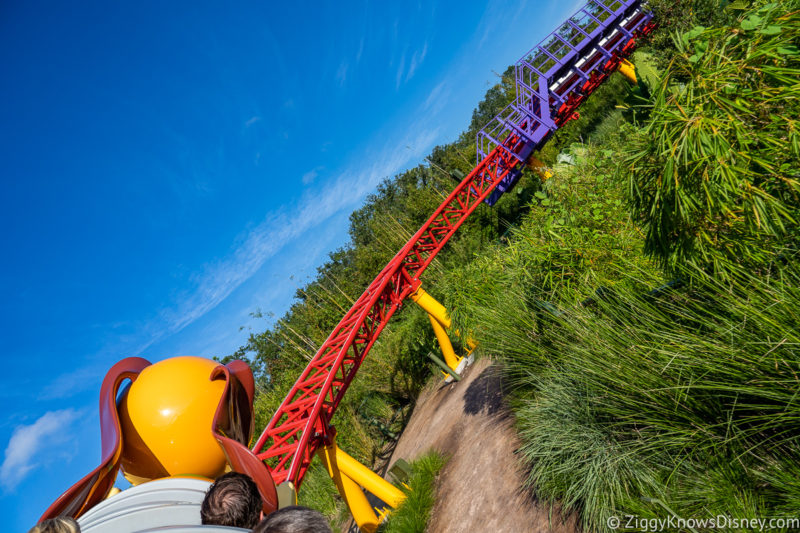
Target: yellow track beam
x,y
349,476
627,69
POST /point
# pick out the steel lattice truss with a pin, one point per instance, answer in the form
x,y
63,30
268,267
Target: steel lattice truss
x,y
552,80
558,74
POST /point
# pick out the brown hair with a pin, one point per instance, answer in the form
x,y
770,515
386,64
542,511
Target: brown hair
x,y
293,519
233,500
59,524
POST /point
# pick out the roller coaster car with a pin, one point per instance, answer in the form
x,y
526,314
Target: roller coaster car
x,y
185,417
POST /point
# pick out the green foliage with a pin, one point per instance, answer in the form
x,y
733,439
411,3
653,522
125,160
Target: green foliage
x,y
647,70
681,400
713,177
517,275
680,16
317,494
689,399
576,227
413,514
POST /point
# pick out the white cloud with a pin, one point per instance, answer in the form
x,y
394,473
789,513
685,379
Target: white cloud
x,y
436,98
341,73
360,50
416,60
71,383
26,443
252,120
486,32
219,279
400,70
311,175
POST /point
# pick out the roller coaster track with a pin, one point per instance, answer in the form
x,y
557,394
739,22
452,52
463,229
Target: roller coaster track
x,y
552,80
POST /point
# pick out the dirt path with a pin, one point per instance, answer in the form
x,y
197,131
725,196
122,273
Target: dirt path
x,y
479,489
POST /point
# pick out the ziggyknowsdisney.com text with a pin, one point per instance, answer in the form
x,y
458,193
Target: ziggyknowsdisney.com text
x,y
670,523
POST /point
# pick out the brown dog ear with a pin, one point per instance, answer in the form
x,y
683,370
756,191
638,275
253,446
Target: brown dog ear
x,y
233,427
244,375
94,487
234,415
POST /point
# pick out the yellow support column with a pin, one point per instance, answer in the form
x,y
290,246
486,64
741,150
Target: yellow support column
x,y
450,356
368,479
349,476
351,493
431,306
627,69
441,323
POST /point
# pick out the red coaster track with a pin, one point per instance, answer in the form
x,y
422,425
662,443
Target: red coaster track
x,y
302,424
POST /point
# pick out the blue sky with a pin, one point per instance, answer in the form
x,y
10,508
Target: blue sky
x,y
169,168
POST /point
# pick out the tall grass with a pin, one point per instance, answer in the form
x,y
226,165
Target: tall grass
x,y
690,399
413,514
714,176
630,401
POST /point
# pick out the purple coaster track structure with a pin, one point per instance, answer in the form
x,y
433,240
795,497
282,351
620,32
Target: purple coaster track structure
x,y
558,74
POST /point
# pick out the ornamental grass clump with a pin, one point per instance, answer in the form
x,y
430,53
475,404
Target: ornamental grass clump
x,y
686,400
414,512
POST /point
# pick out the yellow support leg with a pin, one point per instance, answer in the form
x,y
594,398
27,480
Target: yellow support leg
x,y
351,493
627,69
450,356
431,306
438,314
368,479
349,476
287,494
